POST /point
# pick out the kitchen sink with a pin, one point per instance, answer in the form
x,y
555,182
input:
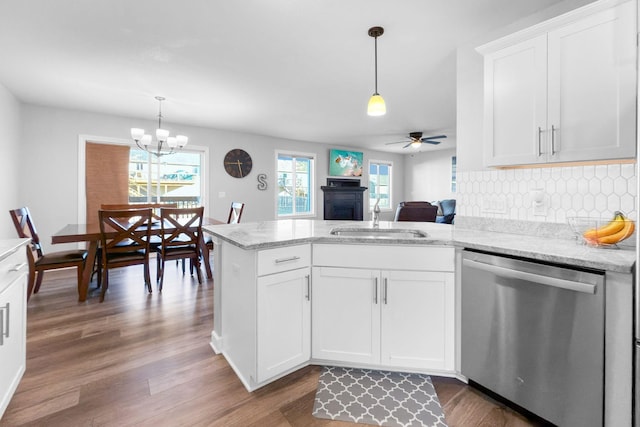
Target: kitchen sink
x,y
379,233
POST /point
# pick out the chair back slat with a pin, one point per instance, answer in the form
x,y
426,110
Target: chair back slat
x,y
181,226
235,213
155,206
25,228
125,230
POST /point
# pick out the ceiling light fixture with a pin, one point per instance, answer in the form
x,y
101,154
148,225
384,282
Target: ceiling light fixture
x,y
143,141
376,105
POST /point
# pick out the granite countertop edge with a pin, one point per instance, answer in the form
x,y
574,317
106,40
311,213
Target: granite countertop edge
x,y
274,234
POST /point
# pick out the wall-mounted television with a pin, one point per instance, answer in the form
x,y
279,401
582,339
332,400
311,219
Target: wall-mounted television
x,y
345,163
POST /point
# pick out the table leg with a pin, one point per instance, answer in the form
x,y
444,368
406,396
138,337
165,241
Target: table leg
x,y
83,288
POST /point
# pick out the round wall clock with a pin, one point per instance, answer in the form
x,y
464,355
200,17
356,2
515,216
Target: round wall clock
x,y
238,163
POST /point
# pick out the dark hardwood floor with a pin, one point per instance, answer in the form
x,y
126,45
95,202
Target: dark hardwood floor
x,y
143,359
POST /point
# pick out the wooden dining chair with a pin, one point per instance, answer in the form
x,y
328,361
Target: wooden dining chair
x,y
181,237
155,241
124,239
40,262
235,213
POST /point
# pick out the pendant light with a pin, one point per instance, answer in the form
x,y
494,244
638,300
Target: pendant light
x,y
376,105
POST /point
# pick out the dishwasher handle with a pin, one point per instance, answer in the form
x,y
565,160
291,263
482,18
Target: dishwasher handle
x,y
555,282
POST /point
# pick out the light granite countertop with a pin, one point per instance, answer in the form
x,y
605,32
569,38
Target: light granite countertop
x,y
9,246
269,234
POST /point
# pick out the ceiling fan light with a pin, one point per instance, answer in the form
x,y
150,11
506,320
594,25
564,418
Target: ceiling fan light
x,y
376,106
416,144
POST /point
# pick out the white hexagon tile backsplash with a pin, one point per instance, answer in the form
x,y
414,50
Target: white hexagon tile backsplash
x,y
548,194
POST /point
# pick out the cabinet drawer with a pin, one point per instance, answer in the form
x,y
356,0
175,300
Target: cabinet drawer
x,y
408,257
283,259
12,266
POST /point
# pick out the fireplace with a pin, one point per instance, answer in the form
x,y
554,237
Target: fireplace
x,y
343,199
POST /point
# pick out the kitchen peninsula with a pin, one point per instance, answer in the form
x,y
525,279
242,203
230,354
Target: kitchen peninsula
x,y
290,293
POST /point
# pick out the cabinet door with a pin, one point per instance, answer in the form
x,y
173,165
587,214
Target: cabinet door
x,y
418,320
346,315
13,347
592,87
515,103
284,322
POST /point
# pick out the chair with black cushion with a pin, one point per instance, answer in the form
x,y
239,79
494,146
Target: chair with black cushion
x,y
416,211
124,238
181,237
40,262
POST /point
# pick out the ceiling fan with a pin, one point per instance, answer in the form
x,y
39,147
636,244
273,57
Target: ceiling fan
x,y
416,139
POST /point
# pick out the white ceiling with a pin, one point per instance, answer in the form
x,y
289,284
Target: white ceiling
x,y
297,69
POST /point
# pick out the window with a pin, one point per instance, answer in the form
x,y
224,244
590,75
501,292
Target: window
x,y
175,178
453,174
295,174
380,184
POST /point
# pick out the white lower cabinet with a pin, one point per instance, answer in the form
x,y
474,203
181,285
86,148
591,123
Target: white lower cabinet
x,y
283,322
13,319
397,319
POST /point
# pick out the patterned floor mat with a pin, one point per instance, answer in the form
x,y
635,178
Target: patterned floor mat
x,y
377,397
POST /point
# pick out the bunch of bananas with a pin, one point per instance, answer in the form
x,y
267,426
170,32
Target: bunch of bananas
x,y
616,230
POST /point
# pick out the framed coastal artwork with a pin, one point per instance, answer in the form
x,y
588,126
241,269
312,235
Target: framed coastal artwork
x,y
345,163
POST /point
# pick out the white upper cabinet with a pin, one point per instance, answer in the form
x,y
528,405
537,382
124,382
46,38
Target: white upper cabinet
x,y
564,90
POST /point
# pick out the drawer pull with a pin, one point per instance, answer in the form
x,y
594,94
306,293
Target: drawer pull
x,y
18,267
281,260
4,313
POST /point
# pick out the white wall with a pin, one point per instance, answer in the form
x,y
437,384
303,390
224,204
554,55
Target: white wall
x,y
13,172
51,136
428,175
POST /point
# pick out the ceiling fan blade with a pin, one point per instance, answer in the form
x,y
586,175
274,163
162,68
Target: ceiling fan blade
x,y
399,142
427,141
408,145
434,137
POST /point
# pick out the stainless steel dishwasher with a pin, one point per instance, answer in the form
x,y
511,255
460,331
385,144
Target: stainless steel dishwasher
x,y
533,333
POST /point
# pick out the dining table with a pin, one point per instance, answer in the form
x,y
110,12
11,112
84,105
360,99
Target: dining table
x,y
90,233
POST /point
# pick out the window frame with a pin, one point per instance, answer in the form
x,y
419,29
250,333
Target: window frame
x,y
83,139
388,163
312,178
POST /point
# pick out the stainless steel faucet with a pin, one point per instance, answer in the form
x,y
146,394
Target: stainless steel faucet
x,y
376,214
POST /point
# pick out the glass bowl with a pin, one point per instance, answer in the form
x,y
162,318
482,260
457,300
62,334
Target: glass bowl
x,y
591,225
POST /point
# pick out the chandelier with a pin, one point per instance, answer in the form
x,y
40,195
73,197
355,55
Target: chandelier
x,y
376,105
165,144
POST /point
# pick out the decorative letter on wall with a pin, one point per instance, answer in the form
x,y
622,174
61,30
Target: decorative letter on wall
x,y
262,181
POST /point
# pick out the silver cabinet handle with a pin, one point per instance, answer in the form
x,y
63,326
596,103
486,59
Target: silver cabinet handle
x,y
539,141
385,297
553,140
308,296
18,267
281,260
4,311
555,282
375,291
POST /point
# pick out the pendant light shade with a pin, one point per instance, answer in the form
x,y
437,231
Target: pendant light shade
x,y
376,105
